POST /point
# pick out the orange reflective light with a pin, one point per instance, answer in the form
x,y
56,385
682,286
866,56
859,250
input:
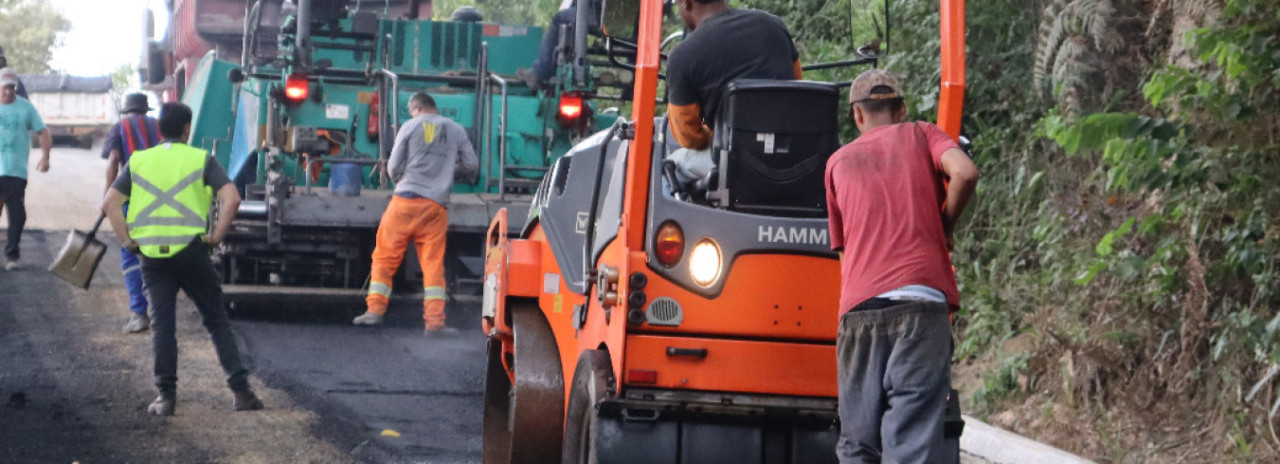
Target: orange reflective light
x,y
570,106
669,244
642,376
295,87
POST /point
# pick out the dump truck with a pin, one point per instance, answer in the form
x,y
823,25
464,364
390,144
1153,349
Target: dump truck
x,y
76,109
287,93
628,322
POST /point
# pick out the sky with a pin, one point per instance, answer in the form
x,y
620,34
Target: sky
x,y
103,35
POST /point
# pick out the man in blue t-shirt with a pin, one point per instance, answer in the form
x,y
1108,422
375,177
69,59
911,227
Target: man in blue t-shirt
x,y
18,119
4,63
135,132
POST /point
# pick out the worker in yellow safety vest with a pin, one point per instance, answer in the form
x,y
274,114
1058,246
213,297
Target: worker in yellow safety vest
x,y
170,188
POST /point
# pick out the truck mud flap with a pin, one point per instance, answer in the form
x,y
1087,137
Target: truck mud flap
x,y
628,434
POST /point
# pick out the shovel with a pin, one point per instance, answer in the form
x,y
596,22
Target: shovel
x,y
79,257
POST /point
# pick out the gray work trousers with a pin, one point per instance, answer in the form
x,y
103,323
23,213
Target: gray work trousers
x,y
894,375
192,271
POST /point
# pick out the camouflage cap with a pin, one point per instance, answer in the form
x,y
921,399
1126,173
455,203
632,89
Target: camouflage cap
x,y
876,84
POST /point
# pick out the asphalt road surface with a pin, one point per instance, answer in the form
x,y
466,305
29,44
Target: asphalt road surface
x,y
73,388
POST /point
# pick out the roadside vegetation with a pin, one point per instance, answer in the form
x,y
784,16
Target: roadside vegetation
x,y
30,31
1119,263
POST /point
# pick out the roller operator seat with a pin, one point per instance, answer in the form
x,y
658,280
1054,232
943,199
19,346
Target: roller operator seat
x,y
771,144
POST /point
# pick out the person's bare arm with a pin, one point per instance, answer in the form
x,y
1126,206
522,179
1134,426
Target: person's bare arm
x,y
111,207
228,204
963,175
46,144
113,167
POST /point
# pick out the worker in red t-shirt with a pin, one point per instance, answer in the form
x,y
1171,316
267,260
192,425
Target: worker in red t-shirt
x,y
886,197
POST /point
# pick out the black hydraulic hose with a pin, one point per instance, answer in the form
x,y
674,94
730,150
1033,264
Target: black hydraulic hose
x,y
595,202
608,48
841,64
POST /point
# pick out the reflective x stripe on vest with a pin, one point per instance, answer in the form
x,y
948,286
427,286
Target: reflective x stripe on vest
x,y
168,201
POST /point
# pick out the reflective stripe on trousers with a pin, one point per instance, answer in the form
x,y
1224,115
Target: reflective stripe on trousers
x,y
433,293
132,268
379,288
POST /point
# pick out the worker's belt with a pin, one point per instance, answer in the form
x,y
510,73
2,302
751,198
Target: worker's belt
x,y
871,304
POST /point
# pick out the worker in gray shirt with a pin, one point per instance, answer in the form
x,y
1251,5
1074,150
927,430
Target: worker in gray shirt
x,y
430,152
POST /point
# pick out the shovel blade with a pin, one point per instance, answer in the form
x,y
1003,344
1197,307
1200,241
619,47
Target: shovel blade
x,y
78,259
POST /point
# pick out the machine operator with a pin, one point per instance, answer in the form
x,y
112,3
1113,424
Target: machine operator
x,y
723,44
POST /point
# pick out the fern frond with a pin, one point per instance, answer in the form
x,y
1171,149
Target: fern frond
x,y
1073,37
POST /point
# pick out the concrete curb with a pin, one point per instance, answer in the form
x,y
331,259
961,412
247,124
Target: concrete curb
x,y
1000,446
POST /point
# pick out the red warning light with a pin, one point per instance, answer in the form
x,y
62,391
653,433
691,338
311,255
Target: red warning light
x,y
295,87
570,106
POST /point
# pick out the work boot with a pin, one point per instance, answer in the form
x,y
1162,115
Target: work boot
x,y
441,332
12,265
163,405
367,318
137,323
245,400
526,75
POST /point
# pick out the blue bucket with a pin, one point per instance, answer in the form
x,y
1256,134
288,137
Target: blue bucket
x,y
345,179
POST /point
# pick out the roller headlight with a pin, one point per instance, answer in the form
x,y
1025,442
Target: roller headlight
x,y
704,262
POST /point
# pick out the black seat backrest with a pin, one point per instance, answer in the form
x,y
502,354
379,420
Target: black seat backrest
x,y
772,141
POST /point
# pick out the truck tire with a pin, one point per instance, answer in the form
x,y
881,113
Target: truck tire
x,y
592,382
527,426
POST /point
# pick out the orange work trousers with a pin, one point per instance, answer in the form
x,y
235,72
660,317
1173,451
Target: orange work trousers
x,y
423,222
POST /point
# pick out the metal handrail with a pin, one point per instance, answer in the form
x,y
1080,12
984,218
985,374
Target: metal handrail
x,y
502,138
580,43
483,129
482,69
249,42
395,95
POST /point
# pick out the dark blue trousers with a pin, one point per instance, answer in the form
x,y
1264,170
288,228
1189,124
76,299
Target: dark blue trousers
x,y
545,66
14,191
132,268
